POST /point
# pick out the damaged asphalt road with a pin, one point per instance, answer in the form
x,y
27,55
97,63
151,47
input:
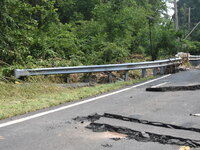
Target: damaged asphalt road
x,y
140,136
133,119
174,88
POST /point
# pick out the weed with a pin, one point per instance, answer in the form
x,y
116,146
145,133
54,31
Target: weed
x,y
21,98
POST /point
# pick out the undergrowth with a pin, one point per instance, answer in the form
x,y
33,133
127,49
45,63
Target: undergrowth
x,y
16,99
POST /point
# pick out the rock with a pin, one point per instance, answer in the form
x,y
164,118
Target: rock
x,y
145,135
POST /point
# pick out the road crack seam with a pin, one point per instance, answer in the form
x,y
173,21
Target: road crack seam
x,y
174,88
138,135
95,117
144,136
158,124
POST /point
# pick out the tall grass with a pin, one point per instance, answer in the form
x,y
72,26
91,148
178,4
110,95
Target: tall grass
x,y
16,99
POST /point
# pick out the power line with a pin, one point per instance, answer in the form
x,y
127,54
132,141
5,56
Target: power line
x,y
192,30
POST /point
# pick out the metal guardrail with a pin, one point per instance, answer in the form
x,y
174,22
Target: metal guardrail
x,y
194,60
194,57
101,68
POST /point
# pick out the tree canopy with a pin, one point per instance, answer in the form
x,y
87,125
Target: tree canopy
x,y
76,32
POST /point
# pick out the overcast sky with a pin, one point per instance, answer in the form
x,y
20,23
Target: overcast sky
x,y
170,9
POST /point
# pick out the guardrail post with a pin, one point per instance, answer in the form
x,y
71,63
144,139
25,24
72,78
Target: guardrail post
x,y
68,78
110,77
155,71
90,77
46,76
126,75
144,73
162,70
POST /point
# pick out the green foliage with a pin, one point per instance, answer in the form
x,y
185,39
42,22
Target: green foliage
x,y
59,41
113,53
166,42
46,33
191,47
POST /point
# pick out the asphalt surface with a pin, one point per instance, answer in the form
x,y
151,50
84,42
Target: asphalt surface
x,y
58,131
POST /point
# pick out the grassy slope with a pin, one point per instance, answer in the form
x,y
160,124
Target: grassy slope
x,y
20,99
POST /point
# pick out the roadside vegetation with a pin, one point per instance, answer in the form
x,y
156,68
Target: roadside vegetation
x,y
16,99
48,33
57,33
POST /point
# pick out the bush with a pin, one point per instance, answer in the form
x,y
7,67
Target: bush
x,y
193,47
111,53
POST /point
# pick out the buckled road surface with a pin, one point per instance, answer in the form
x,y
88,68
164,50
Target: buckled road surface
x,y
130,119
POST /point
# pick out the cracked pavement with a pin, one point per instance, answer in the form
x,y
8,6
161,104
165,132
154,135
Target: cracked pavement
x,y
58,131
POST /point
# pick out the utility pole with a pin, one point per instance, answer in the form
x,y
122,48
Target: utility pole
x,y
150,39
151,22
189,18
176,15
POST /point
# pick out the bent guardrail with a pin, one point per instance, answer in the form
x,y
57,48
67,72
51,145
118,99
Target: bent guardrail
x,y
194,60
162,64
194,57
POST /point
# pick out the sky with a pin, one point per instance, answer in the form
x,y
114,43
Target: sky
x,y
170,9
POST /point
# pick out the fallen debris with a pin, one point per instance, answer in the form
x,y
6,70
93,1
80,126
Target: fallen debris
x,y
90,118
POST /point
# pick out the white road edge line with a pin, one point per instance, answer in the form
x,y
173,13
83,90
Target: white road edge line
x,y
155,86
76,104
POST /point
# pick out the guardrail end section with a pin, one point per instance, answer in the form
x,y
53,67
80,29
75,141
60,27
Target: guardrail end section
x,y
18,73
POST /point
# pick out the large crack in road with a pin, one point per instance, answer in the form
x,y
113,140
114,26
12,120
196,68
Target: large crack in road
x,y
144,136
174,88
152,123
138,135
